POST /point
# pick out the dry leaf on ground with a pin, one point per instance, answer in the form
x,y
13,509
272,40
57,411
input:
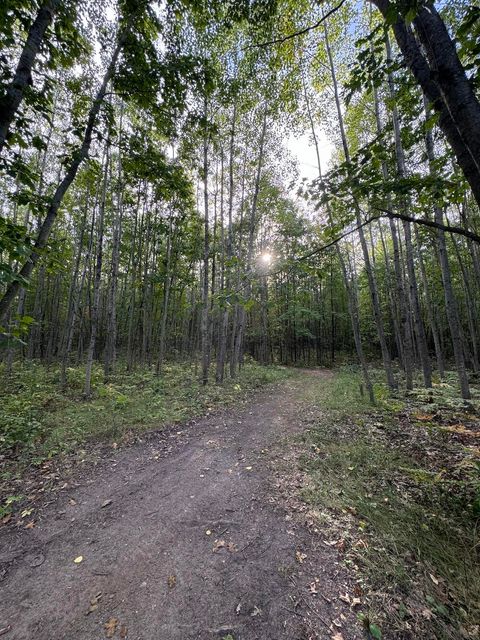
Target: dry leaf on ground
x,y
110,627
300,557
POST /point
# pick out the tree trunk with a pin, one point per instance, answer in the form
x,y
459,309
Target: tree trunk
x,y
97,281
76,160
387,362
204,328
22,79
450,301
352,299
439,72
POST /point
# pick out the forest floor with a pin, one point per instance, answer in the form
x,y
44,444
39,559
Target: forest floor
x,y
299,513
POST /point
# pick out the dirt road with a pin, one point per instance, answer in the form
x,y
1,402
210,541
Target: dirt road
x,y
182,536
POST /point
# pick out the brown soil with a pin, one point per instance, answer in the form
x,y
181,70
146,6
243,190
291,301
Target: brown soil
x,y
183,536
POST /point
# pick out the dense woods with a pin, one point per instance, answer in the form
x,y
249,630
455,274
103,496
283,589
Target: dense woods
x,y
198,198
153,209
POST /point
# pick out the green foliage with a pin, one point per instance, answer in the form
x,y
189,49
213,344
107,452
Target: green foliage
x,y
14,245
38,420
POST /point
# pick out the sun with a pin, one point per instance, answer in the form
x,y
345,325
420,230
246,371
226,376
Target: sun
x,y
266,258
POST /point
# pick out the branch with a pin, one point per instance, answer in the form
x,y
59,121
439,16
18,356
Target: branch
x,y
429,223
297,33
338,238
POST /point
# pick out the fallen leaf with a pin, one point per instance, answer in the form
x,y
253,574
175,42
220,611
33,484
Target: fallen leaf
x,y
313,587
171,581
256,611
333,543
78,559
110,627
423,417
238,608
219,544
232,547
106,503
300,557
30,525
94,602
337,636
6,518
433,579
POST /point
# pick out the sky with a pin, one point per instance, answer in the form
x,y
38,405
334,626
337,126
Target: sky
x,y
303,150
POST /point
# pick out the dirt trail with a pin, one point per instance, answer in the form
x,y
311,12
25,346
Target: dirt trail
x,y
149,552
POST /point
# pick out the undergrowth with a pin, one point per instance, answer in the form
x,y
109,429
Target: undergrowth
x,y
400,486
38,419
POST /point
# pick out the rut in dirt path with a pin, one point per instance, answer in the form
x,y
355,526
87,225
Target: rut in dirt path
x,y
193,544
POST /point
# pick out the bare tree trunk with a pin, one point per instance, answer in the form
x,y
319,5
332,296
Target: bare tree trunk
x,y
469,303
166,297
204,329
450,301
406,336
74,298
226,257
430,313
352,299
111,341
387,362
97,280
412,278
251,236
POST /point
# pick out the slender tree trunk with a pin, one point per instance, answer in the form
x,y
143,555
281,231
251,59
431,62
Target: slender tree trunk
x,y
412,278
76,160
352,300
166,298
469,303
111,341
73,297
204,329
402,302
450,300
226,257
251,236
430,313
387,362
97,281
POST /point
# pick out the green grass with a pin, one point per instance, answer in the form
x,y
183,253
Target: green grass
x,y
404,497
39,420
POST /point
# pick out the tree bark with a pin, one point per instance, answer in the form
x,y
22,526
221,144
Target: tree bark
x,y
14,94
437,68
